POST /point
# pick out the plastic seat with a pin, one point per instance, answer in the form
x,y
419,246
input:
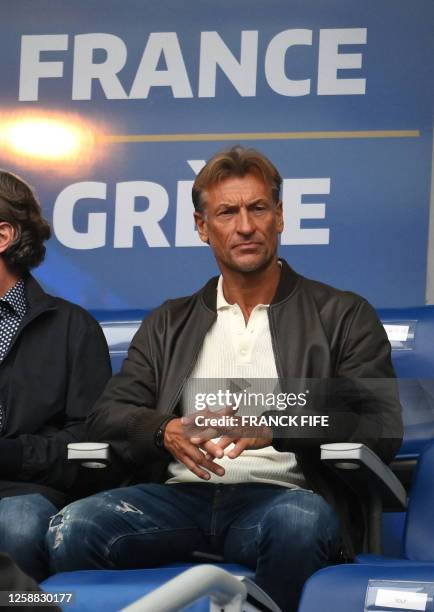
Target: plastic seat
x,y
343,588
418,544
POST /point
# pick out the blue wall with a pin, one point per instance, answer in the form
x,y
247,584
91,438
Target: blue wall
x,y
368,175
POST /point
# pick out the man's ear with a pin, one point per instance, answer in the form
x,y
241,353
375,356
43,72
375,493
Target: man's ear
x,y
201,225
279,217
7,235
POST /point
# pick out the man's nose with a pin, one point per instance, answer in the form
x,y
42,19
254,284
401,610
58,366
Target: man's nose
x,y
245,222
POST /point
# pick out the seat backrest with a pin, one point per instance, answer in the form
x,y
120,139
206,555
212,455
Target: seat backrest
x,y
419,525
411,334
119,327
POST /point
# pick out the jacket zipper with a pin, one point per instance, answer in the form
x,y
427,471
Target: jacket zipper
x,y
21,327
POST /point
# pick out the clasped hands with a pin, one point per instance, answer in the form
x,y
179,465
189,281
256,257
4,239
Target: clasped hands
x,y
195,447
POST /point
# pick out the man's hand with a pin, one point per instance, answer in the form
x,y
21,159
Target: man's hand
x,y
243,438
194,458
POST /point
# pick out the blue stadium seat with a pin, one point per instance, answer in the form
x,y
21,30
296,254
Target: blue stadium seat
x,y
343,588
119,327
418,543
413,359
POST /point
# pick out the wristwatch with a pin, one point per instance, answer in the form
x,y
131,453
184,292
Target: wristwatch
x,y
159,434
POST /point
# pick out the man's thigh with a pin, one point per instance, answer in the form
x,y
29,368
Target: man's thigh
x,y
24,516
138,526
24,521
285,536
278,520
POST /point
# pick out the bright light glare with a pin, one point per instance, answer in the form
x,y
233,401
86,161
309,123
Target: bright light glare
x,y
42,138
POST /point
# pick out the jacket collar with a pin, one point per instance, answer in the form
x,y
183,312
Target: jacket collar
x,y
37,300
288,282
289,279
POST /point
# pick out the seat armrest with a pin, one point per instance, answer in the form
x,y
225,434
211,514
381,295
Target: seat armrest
x,y
373,482
89,454
361,467
227,592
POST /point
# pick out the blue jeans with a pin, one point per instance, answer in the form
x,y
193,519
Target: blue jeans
x,y
24,522
284,535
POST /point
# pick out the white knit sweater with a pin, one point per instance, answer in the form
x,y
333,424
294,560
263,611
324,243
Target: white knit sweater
x,y
235,356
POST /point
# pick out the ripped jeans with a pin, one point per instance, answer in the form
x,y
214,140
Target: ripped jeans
x,y
285,535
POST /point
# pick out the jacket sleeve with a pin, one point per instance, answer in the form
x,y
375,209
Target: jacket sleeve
x,y
41,457
126,415
362,398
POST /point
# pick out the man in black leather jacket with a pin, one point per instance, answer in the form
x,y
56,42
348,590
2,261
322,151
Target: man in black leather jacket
x,y
268,502
54,364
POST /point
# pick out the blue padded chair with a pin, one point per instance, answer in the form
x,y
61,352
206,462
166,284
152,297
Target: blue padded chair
x,y
418,540
411,333
343,588
413,359
119,327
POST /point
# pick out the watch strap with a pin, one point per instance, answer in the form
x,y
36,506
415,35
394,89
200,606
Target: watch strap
x,y
159,434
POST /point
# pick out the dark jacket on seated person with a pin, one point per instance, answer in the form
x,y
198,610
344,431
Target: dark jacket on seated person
x,y
55,369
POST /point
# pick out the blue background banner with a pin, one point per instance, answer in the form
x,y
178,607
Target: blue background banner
x,y
339,95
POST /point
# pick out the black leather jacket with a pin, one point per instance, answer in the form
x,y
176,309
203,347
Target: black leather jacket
x,y
318,333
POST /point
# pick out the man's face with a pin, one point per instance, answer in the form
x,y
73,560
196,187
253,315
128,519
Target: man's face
x,y
241,223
